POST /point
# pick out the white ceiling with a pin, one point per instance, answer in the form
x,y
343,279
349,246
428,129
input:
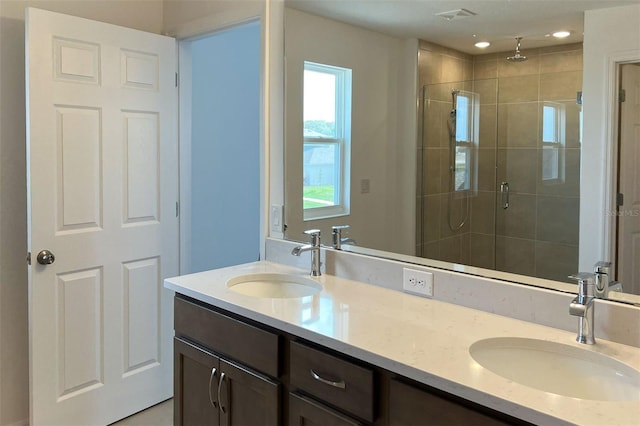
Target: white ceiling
x,y
497,21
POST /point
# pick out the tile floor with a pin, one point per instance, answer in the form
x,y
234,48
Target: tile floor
x,y
158,415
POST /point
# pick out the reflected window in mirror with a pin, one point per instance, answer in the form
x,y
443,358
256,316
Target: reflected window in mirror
x,y
326,139
553,142
467,115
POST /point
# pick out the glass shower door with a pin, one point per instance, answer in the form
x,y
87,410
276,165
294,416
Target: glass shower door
x,y
456,216
538,171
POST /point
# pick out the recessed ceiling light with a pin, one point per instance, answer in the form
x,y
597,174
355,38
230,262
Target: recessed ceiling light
x,y
483,44
561,34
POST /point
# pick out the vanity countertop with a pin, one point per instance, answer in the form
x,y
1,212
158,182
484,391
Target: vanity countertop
x,y
423,339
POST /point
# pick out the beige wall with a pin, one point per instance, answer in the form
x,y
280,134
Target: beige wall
x,y
186,18
14,352
378,140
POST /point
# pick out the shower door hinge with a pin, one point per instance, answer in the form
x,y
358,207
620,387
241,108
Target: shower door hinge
x,y
177,208
622,95
176,79
619,199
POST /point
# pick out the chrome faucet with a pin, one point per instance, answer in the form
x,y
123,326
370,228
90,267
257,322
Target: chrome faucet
x,y
338,240
582,307
602,272
314,248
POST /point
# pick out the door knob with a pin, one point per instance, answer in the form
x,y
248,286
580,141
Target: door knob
x,y
45,257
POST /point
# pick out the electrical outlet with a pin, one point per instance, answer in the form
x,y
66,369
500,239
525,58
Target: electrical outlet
x,y
417,282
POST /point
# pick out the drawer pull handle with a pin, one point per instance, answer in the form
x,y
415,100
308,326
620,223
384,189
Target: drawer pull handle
x,y
211,400
341,384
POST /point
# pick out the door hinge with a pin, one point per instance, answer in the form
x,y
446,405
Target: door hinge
x,y
622,95
177,208
176,79
619,199
29,258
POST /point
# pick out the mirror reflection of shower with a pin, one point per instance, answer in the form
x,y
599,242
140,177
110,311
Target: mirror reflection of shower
x,y
499,155
518,56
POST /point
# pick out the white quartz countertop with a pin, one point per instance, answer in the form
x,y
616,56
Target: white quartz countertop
x,y
423,339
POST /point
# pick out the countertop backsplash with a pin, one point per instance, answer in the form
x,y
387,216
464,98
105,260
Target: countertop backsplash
x,y
616,322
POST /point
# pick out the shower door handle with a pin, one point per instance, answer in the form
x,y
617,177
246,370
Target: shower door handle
x,y
504,195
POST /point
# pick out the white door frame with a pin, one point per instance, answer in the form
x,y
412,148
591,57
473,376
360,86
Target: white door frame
x,y
612,131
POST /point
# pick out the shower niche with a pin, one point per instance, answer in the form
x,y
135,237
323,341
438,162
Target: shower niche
x,y
499,159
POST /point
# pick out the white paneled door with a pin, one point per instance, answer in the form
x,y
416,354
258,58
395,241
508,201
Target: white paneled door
x,y
103,187
629,181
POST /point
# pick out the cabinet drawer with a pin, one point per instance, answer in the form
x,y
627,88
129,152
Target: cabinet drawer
x,y
252,346
410,406
338,382
305,411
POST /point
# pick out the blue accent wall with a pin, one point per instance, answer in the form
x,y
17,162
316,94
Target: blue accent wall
x,y
225,210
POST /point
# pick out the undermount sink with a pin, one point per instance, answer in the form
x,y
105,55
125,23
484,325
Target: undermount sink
x,y
558,368
274,285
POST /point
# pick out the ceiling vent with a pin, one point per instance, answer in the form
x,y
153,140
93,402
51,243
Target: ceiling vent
x,y
456,14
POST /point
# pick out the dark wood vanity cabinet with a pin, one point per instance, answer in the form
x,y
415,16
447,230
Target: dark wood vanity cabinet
x,y
334,380
304,411
230,371
211,388
194,385
411,406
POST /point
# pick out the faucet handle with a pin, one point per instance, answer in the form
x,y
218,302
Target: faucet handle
x,y
336,232
315,236
582,276
586,283
601,267
601,270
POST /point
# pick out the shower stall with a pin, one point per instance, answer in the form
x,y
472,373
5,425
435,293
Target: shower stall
x,y
499,163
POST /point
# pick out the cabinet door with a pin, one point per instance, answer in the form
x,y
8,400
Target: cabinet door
x,y
196,375
306,412
410,406
246,398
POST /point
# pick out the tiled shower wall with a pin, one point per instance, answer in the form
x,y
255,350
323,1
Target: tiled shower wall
x,y
538,234
440,69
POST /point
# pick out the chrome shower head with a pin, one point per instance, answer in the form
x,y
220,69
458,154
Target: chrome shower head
x,y
518,57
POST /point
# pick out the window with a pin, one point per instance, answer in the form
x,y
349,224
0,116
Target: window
x,y
326,138
466,137
553,142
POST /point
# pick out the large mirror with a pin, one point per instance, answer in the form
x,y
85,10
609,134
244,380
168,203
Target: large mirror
x,y
429,147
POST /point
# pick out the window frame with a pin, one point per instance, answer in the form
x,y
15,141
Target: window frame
x,y
469,142
558,143
342,140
